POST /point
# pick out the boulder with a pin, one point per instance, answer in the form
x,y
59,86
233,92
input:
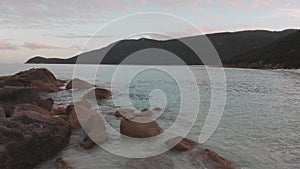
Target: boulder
x,y
86,116
40,78
139,127
125,113
98,93
130,114
211,159
83,103
78,84
20,108
2,113
60,163
10,96
29,138
47,104
94,137
156,162
180,144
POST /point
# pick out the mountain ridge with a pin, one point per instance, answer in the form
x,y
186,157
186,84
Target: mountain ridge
x,y
229,45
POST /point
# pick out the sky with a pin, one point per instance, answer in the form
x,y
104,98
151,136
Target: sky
x,y
61,28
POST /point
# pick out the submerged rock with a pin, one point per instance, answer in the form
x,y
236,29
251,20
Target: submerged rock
x,y
130,114
181,144
29,137
78,84
202,156
98,93
60,163
40,78
156,162
212,160
140,127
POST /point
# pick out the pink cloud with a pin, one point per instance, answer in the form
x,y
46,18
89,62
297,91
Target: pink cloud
x,y
34,46
6,45
292,12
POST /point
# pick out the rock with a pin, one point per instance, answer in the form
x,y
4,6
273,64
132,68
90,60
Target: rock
x,y
64,117
83,103
125,113
96,129
145,113
29,138
47,104
40,78
59,109
140,127
86,116
211,159
156,162
10,96
2,113
180,144
60,163
97,138
78,84
98,93
20,108
130,114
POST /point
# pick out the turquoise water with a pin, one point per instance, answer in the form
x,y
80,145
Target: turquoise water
x,y
260,126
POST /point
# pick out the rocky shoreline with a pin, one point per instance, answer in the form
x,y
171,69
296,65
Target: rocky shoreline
x,y
33,129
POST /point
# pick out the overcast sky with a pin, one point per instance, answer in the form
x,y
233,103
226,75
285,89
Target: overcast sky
x,y
60,28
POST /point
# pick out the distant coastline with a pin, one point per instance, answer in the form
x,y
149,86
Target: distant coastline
x,y
245,49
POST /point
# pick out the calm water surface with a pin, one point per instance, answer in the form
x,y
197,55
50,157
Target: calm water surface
x,y
260,127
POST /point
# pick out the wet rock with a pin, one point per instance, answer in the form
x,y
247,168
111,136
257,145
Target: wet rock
x,y
98,93
20,108
40,78
155,162
59,109
139,127
47,104
78,84
60,163
94,137
83,103
2,113
130,114
180,144
10,96
145,113
29,138
211,159
86,116
125,113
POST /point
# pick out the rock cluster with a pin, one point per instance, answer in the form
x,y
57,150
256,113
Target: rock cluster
x,y
40,78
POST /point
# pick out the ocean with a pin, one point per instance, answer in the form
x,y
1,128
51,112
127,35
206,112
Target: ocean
x,y
259,127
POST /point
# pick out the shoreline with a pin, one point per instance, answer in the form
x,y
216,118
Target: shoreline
x,y
45,112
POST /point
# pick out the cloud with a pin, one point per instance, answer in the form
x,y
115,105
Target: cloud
x,y
57,13
291,12
6,45
71,35
35,46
